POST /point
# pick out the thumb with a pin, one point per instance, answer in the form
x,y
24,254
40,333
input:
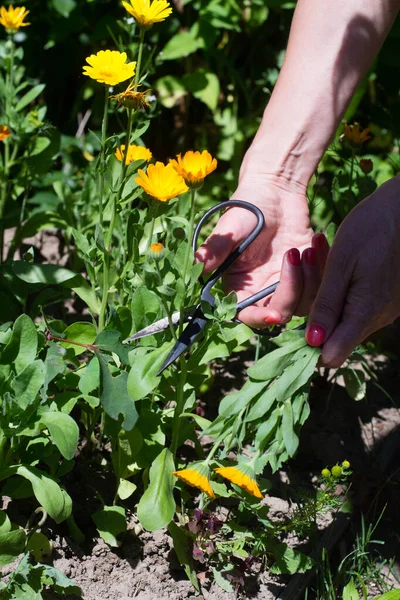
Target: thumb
x,y
233,226
330,300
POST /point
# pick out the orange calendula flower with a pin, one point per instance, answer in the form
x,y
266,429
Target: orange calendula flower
x,y
13,18
156,251
4,132
131,98
194,166
109,66
161,182
353,133
146,13
134,153
197,475
243,476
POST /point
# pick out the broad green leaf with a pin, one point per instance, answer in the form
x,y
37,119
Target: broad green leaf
x,y
29,96
204,85
27,384
273,363
54,361
114,396
262,404
234,403
82,333
110,341
392,595
156,508
110,522
5,523
354,381
63,431
47,492
181,44
144,302
266,430
61,582
85,292
39,546
298,373
22,347
143,375
12,543
44,273
290,438
64,7
288,560
90,380
126,489
350,591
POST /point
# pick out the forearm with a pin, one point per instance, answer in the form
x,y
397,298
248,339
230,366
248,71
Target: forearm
x,y
332,44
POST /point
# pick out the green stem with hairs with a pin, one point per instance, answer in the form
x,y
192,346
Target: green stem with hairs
x,y
188,251
102,165
7,161
140,54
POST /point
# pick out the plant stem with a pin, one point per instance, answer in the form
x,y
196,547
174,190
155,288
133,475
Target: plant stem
x,y
102,166
139,60
213,450
180,401
165,305
188,250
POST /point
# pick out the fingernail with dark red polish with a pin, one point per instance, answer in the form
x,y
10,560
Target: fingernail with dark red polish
x,y
310,256
272,320
294,257
320,240
315,335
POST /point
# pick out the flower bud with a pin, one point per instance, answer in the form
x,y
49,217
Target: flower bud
x,y
345,464
325,473
336,471
156,251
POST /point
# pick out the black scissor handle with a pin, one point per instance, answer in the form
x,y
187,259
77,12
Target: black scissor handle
x,y
214,277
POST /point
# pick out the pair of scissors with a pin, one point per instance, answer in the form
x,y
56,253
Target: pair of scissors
x,y
194,315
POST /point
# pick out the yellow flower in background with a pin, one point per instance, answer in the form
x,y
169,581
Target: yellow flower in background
x,y
161,182
4,132
109,66
353,133
197,475
243,476
134,153
194,166
131,98
13,18
146,13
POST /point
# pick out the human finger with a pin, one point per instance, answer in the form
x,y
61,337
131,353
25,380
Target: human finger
x,y
311,280
289,291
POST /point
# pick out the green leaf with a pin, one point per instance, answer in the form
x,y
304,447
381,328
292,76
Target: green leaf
x,y
27,384
183,548
350,591
170,90
298,373
45,273
272,364
204,85
181,44
22,347
288,560
114,396
126,489
143,375
262,404
29,96
156,508
110,522
354,381
109,341
64,432
90,380
47,492
392,595
64,7
61,582
83,333
146,306
290,438
12,543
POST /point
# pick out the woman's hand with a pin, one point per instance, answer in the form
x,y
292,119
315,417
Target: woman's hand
x,y
360,290
285,250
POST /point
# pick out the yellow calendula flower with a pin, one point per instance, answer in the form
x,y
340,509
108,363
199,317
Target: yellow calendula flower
x,y
243,476
13,18
131,98
161,182
353,133
4,132
109,66
194,166
146,13
197,475
134,153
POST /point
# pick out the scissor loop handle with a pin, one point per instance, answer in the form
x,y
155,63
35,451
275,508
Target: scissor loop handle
x,y
214,277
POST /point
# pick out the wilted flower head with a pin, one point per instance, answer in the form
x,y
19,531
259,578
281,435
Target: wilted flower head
x,y
146,13
109,67
194,167
366,165
243,476
134,153
4,132
354,135
161,182
197,475
131,98
13,18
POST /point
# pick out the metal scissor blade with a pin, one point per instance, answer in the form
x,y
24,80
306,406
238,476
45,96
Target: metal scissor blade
x,y
162,325
186,339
